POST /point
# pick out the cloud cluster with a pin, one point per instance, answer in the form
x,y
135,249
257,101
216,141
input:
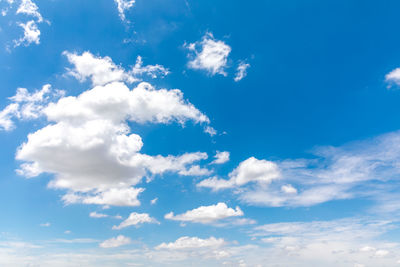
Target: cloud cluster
x,y
334,173
31,30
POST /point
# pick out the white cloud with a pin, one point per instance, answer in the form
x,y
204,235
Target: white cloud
x,y
262,172
47,224
27,105
6,116
28,7
288,189
89,147
210,55
135,219
241,71
97,215
124,5
31,34
102,70
206,214
342,172
393,77
152,70
154,201
221,157
187,242
115,242
112,196
195,170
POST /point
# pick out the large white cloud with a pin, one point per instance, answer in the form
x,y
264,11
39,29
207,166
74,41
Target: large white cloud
x,y
90,150
102,70
135,219
210,55
206,214
31,30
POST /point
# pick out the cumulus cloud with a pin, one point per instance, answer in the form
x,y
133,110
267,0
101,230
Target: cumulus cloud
x,y
221,157
206,214
122,6
89,147
115,242
250,170
187,242
241,71
102,70
209,54
135,219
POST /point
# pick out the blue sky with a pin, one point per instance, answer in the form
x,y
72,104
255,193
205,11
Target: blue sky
x,y
193,133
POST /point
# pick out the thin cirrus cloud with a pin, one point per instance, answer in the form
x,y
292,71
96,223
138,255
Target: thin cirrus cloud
x,y
334,173
206,214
